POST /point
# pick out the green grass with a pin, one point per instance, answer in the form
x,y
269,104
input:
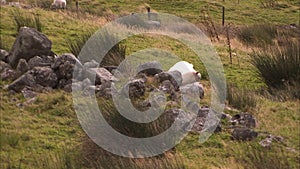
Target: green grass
x,y
47,133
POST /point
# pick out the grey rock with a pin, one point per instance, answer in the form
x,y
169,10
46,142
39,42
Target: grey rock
x,y
177,77
267,142
111,69
86,83
22,66
29,43
167,87
244,134
244,119
44,76
40,61
193,90
76,86
3,55
173,76
64,66
91,64
4,65
99,75
26,79
136,88
104,92
90,90
150,68
63,82
183,118
28,93
9,74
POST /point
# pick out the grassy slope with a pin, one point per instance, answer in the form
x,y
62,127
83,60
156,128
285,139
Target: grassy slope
x,y
50,124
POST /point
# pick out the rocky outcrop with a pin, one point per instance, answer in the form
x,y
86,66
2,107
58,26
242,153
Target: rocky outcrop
x,y
34,69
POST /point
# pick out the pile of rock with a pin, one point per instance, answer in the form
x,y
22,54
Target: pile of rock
x,y
33,67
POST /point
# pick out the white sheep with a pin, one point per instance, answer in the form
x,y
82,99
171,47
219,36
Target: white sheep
x,y
3,2
59,4
189,74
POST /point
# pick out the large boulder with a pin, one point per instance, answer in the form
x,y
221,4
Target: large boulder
x,y
29,43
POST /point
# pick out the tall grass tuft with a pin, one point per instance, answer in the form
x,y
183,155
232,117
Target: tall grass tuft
x,y
113,57
76,45
241,98
25,19
279,67
257,35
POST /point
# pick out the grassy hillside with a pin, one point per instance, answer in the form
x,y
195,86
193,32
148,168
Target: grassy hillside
x,y
47,134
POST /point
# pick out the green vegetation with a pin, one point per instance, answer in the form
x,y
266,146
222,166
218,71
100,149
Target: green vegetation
x,y
279,67
21,19
47,134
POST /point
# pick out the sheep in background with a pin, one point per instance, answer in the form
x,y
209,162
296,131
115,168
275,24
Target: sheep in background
x,y
3,2
59,4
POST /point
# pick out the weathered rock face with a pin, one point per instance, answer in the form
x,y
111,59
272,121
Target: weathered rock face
x,y
29,43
